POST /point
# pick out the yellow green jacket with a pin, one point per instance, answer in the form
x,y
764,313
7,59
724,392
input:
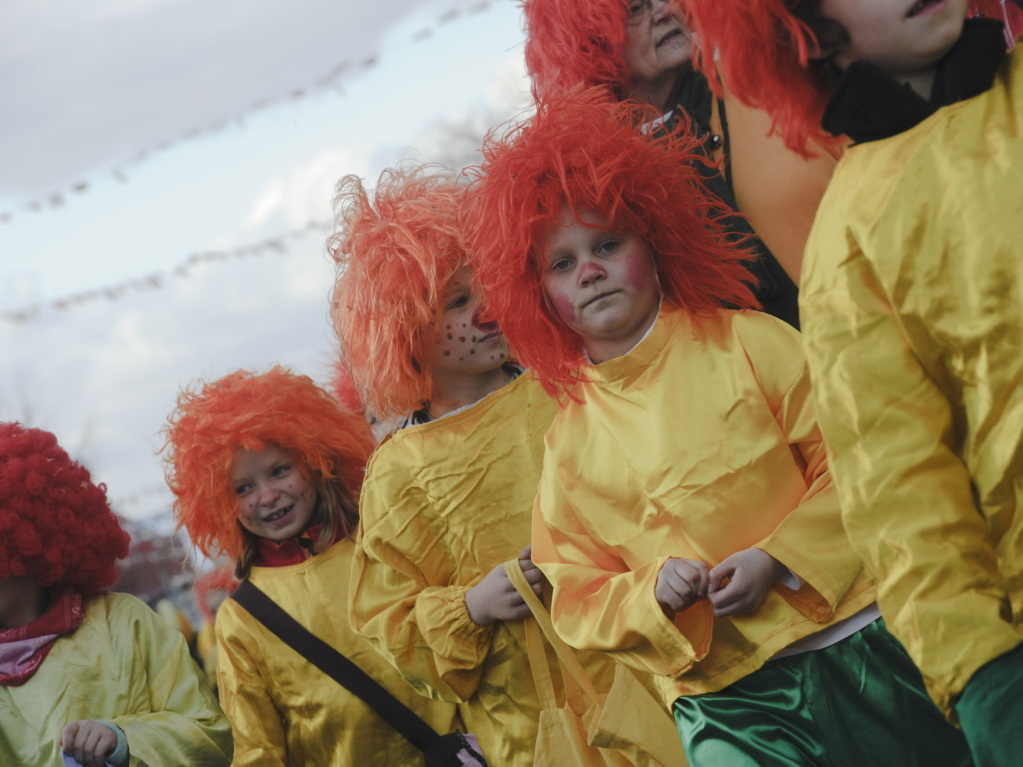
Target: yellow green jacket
x,y
911,304
698,443
444,503
284,710
123,664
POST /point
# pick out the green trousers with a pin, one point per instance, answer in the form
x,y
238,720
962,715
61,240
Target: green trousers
x,y
991,711
858,702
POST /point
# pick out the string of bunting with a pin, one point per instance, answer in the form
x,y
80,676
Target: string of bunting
x,y
329,80
156,280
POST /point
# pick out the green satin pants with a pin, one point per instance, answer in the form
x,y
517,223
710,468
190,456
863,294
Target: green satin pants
x,y
990,711
856,703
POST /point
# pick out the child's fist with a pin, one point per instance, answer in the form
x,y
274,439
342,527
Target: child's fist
x,y
680,583
88,741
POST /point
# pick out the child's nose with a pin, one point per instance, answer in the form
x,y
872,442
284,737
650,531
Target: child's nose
x,y
590,272
483,321
267,494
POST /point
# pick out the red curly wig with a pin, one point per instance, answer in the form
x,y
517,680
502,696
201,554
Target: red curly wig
x,y
584,151
575,42
246,410
763,50
396,253
55,523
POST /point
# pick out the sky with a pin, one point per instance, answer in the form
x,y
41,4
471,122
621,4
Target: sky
x,y
166,175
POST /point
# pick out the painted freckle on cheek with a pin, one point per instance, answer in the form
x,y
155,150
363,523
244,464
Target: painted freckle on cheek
x,y
502,355
472,351
462,339
450,336
447,354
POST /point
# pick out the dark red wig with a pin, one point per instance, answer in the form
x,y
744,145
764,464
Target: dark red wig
x,y
55,522
583,151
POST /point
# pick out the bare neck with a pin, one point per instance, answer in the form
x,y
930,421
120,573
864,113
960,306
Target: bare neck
x,y
22,600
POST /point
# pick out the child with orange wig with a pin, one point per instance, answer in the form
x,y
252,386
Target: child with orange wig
x,y
913,288
266,470
685,515
447,496
93,674
642,50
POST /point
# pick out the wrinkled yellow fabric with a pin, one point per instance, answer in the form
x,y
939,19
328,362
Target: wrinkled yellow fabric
x,y
442,505
698,443
913,289
125,665
284,710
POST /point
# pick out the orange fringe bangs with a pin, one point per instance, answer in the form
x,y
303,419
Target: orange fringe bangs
x,y
762,52
575,42
396,251
252,411
584,151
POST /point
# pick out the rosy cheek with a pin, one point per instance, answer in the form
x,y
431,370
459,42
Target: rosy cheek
x,y
640,275
562,305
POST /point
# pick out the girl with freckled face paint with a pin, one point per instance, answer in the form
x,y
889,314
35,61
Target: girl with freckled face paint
x,y
448,496
266,470
685,516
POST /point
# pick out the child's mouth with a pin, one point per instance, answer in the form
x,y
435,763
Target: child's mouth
x,y
278,515
921,6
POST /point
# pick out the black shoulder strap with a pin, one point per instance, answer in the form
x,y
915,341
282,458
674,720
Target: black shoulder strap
x,y
335,665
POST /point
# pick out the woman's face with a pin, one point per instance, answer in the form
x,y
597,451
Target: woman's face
x,y
276,500
657,50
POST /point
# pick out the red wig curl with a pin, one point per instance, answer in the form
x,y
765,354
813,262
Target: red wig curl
x,y
246,410
582,150
762,51
576,42
396,252
55,523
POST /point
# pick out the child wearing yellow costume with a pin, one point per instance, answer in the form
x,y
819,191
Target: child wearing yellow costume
x,y
685,517
266,469
447,497
913,286
85,674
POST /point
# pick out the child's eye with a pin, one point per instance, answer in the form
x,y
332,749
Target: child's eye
x,y
280,470
607,246
242,489
561,264
457,302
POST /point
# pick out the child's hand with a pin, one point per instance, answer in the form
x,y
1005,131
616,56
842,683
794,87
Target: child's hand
x,y
496,599
680,583
88,741
741,582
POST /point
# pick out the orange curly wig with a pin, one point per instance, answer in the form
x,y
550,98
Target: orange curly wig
x,y
55,523
396,252
763,49
584,151
252,411
571,43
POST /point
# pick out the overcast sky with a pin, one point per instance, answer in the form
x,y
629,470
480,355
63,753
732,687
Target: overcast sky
x,y
204,140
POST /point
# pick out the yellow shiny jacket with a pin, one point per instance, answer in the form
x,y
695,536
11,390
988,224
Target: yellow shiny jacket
x,y
698,443
443,504
124,665
912,309
285,711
